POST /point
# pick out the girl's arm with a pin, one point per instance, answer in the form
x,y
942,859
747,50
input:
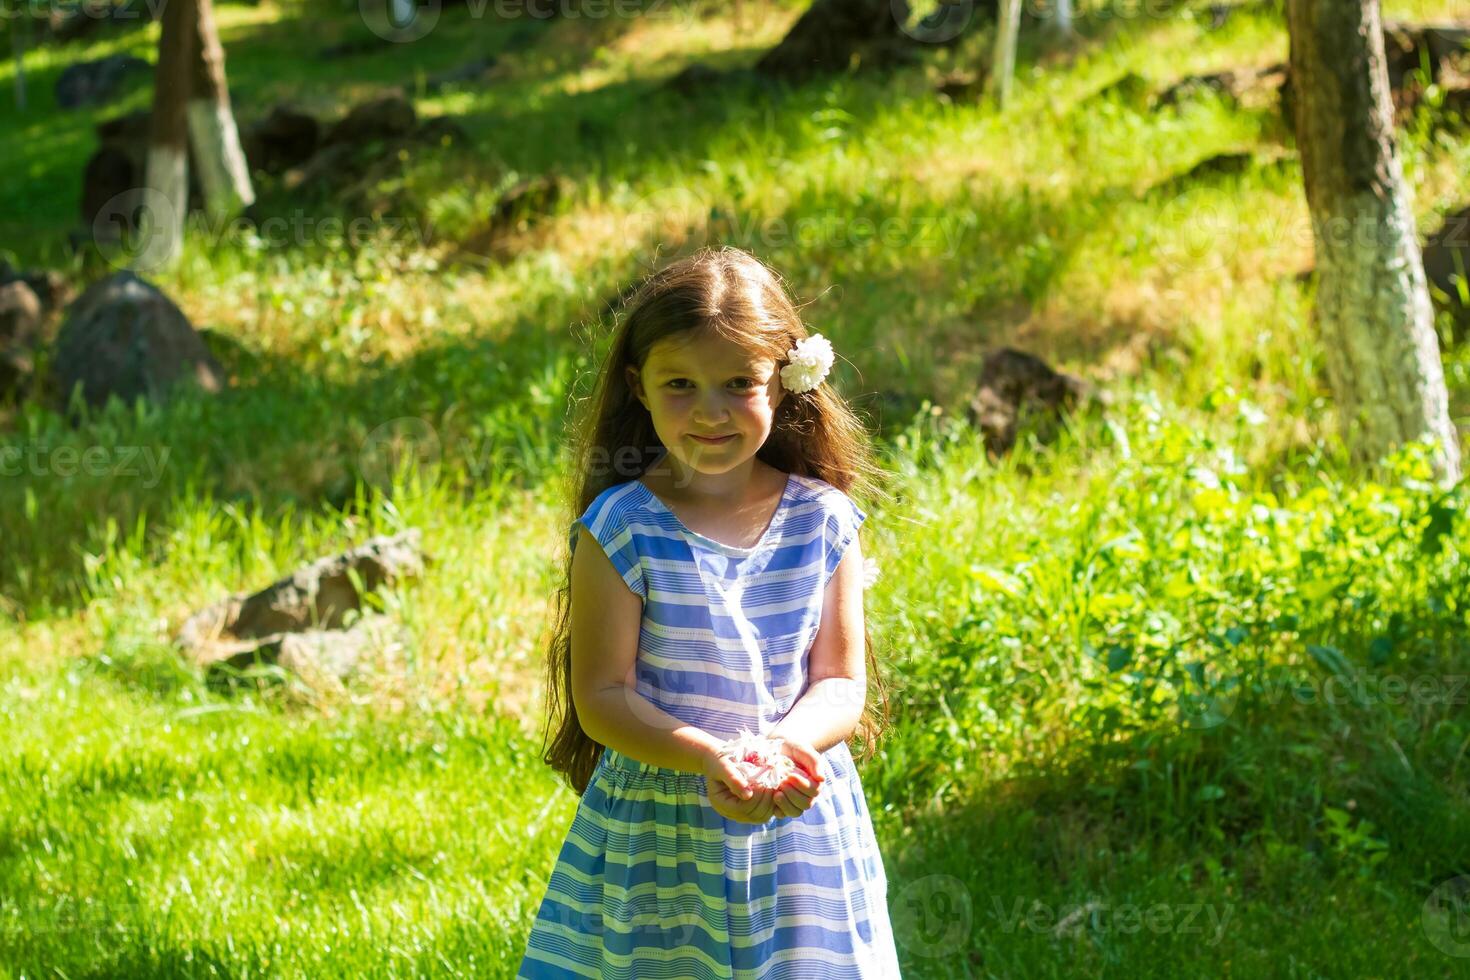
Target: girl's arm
x,y
605,620
829,709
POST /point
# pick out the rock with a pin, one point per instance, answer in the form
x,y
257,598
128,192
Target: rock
x,y
352,47
1237,85
20,327
520,206
306,608
693,79
1412,47
50,287
29,301
285,138
124,337
17,368
315,596
469,72
1216,166
381,119
834,35
327,166
1447,266
314,655
1408,48
1128,87
1016,389
110,171
20,314
1455,109
116,168
100,81
441,131
960,86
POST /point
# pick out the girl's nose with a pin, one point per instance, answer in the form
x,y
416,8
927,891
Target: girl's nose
x,y
710,411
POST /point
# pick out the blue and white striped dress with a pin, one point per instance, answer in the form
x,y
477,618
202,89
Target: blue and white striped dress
x,y
651,882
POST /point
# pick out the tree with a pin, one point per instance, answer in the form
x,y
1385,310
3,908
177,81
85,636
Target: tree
x,y
1003,62
1372,308
223,173
166,175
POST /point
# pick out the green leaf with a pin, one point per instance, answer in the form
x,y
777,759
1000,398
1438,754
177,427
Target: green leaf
x,y
1331,659
1441,523
1119,657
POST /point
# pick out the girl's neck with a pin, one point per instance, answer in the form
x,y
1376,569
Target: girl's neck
x,y
674,480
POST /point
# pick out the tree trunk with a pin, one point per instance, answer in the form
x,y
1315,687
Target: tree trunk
x,y
223,173
18,51
1003,63
166,177
1373,310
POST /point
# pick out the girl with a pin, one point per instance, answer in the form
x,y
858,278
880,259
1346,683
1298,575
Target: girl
x,y
723,594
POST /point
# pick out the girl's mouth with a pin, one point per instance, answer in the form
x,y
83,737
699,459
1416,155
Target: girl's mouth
x,y
714,442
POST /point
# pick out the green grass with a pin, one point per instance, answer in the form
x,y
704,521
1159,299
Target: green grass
x,y
1109,655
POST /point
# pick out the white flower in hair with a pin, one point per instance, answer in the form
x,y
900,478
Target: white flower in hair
x,y
808,364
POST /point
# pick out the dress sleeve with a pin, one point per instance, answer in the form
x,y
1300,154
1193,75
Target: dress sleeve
x,y
843,520
608,526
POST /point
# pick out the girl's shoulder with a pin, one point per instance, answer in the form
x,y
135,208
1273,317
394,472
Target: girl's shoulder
x,y
828,499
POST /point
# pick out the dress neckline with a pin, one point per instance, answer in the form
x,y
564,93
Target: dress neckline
x,y
720,546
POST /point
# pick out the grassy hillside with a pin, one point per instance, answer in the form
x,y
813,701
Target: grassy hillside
x,y
1180,694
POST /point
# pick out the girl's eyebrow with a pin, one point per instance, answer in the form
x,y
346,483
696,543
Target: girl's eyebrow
x,y
660,368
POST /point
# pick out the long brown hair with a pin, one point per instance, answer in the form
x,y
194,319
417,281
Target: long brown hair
x,y
729,292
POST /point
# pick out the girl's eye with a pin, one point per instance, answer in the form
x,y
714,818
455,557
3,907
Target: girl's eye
x,y
745,382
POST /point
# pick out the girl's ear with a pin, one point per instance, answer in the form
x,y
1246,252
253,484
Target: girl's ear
x,y
635,383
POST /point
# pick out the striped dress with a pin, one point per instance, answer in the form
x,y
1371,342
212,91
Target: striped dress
x,y
651,882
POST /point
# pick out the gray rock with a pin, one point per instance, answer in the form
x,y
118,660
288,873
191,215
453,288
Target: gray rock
x,y
311,654
124,337
315,596
100,81
285,138
380,119
1447,267
20,314
1017,388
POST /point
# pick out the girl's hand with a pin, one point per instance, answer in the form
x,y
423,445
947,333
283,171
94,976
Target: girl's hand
x,y
757,809
732,795
797,794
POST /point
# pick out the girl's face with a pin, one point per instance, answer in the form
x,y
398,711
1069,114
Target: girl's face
x,y
703,385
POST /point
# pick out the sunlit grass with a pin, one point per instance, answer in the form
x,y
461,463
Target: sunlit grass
x,y
404,824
